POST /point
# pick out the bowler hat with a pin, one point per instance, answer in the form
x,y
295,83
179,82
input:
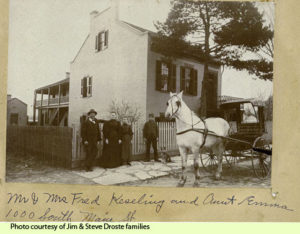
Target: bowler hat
x,y
92,111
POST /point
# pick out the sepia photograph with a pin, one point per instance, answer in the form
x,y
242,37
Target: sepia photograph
x,y
148,93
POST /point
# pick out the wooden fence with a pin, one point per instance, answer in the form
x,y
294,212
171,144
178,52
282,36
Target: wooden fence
x,y
52,145
62,146
167,139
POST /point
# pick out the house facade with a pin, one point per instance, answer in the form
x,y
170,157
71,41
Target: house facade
x,y
51,104
16,111
116,62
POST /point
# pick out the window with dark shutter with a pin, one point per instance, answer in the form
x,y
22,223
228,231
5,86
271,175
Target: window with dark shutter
x,y
101,42
182,79
96,43
189,80
89,91
173,79
84,87
158,75
165,76
106,39
194,82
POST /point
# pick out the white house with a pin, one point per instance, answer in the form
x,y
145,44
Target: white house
x,y
116,62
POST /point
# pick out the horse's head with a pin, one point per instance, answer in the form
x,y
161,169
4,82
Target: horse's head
x,y
173,104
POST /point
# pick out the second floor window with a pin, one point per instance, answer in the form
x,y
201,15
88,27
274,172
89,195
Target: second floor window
x,y
86,86
165,76
189,80
101,42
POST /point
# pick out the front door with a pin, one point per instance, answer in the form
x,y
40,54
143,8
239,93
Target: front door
x,y
212,92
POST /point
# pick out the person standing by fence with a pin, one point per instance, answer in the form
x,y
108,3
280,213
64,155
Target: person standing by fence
x,y
150,133
91,138
126,141
112,143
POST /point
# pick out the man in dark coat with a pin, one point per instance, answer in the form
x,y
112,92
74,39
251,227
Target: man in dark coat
x,y
150,133
112,134
91,138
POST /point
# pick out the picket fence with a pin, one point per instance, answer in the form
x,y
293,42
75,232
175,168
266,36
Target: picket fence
x,y
167,140
167,137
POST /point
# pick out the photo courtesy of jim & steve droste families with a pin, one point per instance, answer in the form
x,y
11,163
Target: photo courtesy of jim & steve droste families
x,y
80,226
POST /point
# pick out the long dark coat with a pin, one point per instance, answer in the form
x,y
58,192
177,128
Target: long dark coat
x,y
126,142
112,151
90,132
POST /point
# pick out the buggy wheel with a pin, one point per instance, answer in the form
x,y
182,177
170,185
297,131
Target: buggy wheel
x,y
209,161
232,158
261,163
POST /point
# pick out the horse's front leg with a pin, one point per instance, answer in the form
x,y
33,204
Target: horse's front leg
x,y
183,153
196,167
219,152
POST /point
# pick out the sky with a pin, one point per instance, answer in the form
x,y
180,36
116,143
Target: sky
x,y
45,35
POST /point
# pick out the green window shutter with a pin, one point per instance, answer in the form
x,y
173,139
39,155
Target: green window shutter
x,y
99,42
81,87
195,82
158,75
84,87
169,77
106,38
182,79
90,86
96,43
173,89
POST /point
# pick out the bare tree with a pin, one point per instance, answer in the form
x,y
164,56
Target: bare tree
x,y
126,109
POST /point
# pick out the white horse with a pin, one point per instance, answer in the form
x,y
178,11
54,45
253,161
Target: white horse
x,y
194,134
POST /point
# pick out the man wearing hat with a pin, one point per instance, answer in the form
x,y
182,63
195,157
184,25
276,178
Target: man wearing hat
x,y
91,138
150,133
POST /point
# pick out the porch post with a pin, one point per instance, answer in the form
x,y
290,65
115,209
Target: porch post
x,y
59,91
48,96
42,93
34,107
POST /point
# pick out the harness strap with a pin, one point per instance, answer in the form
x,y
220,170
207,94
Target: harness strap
x,y
204,131
205,134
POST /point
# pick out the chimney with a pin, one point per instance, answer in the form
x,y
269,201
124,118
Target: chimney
x,y
115,5
92,16
8,97
67,75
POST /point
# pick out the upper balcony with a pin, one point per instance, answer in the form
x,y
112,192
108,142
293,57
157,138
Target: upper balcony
x,y
63,100
53,95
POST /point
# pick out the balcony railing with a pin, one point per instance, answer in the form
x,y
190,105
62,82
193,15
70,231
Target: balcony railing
x,y
53,101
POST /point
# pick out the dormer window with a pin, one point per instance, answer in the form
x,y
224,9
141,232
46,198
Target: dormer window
x,y
101,41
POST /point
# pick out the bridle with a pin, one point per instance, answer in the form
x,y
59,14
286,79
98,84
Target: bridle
x,y
178,103
174,114
204,131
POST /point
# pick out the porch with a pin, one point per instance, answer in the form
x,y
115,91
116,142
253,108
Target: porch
x,y
51,104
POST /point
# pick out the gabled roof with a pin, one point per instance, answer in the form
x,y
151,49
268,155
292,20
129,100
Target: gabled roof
x,y
184,54
80,48
194,56
67,80
136,27
12,99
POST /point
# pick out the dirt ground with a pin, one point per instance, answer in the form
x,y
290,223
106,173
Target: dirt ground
x,y
239,176
29,170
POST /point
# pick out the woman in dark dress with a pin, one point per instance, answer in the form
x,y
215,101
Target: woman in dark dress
x,y
126,141
112,143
